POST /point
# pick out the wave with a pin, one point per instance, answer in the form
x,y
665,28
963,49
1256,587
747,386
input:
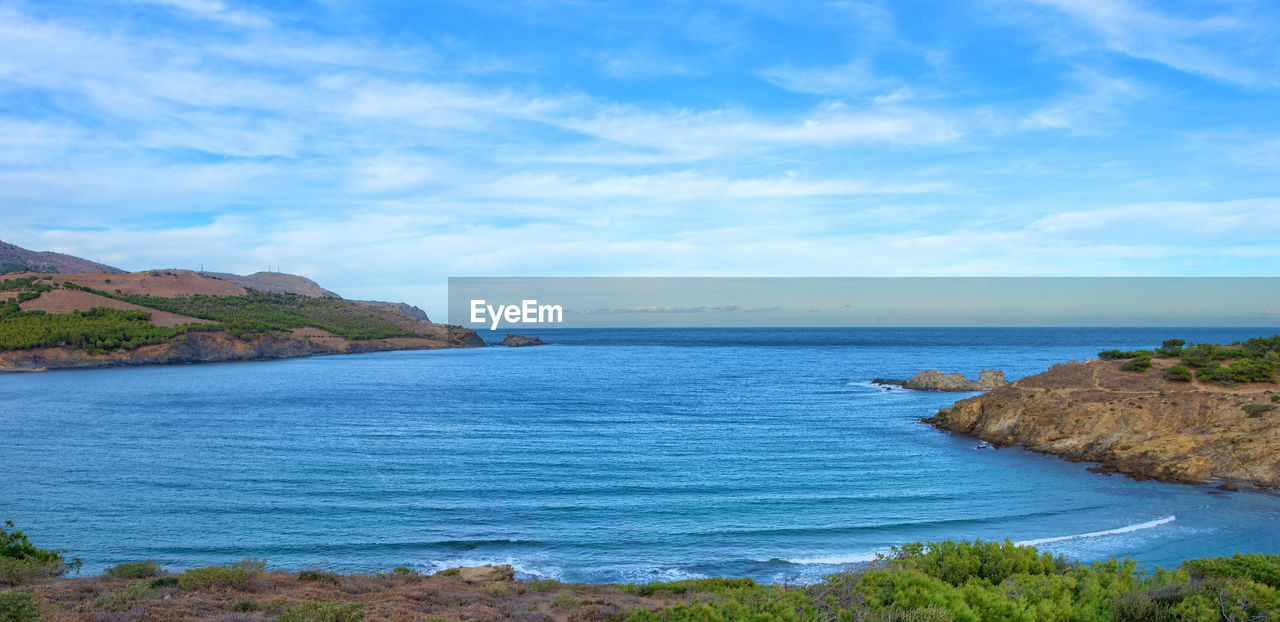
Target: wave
x,y
832,560
1098,534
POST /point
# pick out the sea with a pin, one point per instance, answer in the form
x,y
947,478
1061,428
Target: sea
x,y
610,455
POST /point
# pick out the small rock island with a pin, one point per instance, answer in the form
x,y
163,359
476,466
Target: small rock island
x,y
934,380
520,341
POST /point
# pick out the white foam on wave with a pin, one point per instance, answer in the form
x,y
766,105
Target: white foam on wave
x,y
1098,534
839,559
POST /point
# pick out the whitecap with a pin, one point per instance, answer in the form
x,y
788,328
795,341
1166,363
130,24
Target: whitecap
x,y
1098,534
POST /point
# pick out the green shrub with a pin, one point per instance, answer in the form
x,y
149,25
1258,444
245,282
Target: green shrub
x,y
312,611
18,606
544,585
135,570
318,576
246,606
21,561
235,576
404,571
141,590
1257,410
160,582
1171,348
1178,373
1141,363
1257,567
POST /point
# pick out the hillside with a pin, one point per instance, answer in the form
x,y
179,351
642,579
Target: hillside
x,y
1145,416
275,282
17,259
96,319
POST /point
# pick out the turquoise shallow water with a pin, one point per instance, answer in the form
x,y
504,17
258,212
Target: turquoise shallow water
x,y
632,455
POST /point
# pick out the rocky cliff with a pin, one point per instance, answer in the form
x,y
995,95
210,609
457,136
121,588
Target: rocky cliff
x,y
1135,423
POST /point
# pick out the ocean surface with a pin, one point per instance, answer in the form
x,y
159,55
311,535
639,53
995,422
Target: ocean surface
x,y
611,455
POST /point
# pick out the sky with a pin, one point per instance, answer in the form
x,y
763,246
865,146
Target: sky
x,y
382,147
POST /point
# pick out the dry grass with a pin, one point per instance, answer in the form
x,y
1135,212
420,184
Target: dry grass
x,y
386,596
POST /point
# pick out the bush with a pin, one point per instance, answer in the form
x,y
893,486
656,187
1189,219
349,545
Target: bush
x,y
141,590
160,582
246,606
18,606
1141,363
1178,373
544,585
1257,410
318,576
312,611
135,570
21,561
235,576
1171,348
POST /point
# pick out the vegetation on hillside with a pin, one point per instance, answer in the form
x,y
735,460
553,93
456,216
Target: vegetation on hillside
x,y
982,581
95,331
103,329
259,312
1254,360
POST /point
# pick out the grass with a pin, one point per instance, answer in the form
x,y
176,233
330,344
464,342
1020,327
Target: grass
x,y
234,576
313,611
135,570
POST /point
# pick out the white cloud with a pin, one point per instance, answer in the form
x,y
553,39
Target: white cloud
x,y
1205,46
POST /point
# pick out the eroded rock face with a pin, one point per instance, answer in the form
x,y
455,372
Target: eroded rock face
x,y
1135,423
520,341
933,380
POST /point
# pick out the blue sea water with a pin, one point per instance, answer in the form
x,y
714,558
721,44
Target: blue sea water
x,y
611,455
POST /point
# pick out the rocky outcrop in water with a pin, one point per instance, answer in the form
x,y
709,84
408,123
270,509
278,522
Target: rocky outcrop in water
x,y
1135,423
933,380
520,341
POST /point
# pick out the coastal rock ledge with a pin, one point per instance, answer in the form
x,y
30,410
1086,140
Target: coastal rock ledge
x,y
1135,423
934,380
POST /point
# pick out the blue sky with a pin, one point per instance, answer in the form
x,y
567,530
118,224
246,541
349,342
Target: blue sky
x,y
381,147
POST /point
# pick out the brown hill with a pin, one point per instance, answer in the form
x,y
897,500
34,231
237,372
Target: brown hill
x,y
276,282
164,283
1135,423
15,258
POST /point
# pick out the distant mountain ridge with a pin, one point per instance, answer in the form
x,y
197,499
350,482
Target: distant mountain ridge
x,y
15,258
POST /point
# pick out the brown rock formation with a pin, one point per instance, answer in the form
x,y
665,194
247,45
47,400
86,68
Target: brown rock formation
x,y
1135,423
520,341
933,380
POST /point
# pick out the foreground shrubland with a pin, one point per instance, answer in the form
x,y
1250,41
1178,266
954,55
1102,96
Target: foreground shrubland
x,y
948,581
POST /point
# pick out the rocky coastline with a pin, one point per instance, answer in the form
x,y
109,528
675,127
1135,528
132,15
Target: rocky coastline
x,y
221,346
1139,424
